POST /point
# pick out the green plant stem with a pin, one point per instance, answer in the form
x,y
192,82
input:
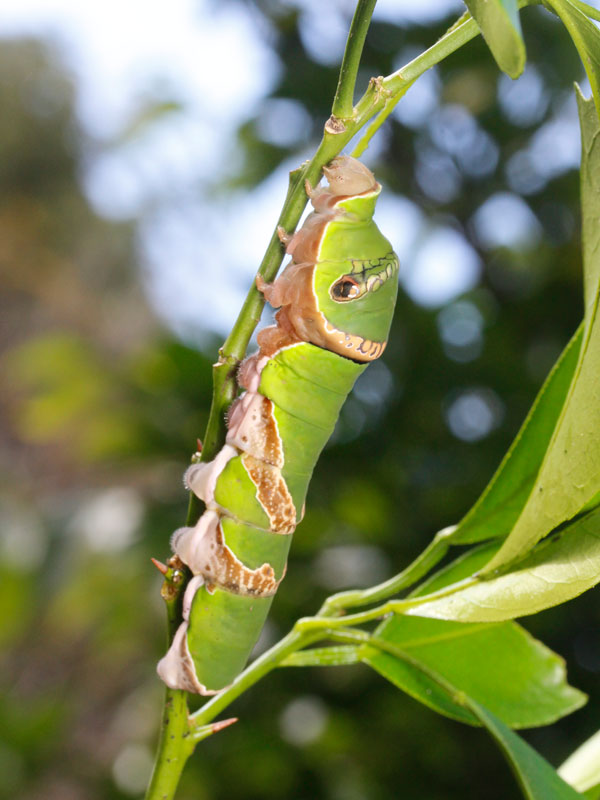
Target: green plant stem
x,y
343,102
391,607
174,745
389,106
432,555
174,748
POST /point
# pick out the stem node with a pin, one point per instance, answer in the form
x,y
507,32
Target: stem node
x,y
335,125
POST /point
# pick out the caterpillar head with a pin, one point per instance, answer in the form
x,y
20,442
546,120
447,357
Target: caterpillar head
x,y
355,278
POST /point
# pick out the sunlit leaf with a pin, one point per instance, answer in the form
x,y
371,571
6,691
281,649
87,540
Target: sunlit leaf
x,y
582,769
590,202
569,477
498,508
560,568
500,26
465,566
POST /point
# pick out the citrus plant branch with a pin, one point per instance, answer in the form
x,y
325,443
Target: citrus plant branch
x,y
174,745
344,97
432,555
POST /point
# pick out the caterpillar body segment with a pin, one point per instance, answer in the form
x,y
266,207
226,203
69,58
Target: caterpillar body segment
x,y
336,300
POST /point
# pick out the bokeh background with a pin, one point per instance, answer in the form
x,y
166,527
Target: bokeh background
x,y
144,150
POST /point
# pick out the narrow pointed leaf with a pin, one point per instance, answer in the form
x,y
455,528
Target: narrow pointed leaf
x,y
586,38
582,769
558,569
498,508
536,777
569,477
590,202
499,23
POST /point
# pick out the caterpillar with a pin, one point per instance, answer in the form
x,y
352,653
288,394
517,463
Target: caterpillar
x,y
336,300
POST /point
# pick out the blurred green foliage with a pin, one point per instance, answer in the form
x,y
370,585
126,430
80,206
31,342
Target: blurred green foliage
x,y
101,410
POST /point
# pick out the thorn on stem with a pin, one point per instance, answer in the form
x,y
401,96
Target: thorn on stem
x,y
199,445
162,568
224,723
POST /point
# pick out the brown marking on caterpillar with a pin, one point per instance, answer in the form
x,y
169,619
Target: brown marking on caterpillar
x,y
273,494
293,292
204,550
351,345
335,125
229,573
299,319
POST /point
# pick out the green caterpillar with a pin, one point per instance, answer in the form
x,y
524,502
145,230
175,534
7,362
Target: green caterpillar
x,y
336,300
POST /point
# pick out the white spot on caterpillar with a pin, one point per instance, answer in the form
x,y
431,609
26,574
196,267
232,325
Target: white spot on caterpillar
x,y
201,479
176,668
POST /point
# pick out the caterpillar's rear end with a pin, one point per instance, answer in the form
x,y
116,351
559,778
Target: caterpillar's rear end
x,y
336,300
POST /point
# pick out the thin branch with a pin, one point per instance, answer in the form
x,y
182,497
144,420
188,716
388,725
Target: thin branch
x,y
174,746
431,556
379,120
311,624
343,103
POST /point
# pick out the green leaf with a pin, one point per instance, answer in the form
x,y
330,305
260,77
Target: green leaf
x,y
586,38
558,569
500,26
340,655
582,769
500,665
465,566
590,202
498,508
538,780
569,478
